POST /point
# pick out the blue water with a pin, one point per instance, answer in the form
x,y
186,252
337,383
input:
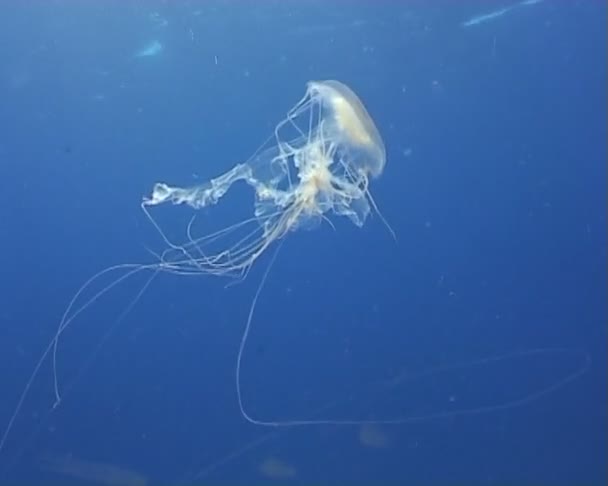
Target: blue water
x,y
495,290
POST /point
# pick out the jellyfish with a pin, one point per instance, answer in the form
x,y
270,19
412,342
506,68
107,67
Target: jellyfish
x,y
317,163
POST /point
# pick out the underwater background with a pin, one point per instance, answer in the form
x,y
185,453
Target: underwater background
x,y
492,296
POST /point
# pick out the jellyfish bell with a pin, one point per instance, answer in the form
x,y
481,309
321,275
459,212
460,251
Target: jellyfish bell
x,y
351,123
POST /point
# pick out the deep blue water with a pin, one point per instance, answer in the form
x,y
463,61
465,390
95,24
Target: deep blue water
x,y
495,185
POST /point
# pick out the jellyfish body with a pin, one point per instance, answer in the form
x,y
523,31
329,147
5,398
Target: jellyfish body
x,y
319,161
